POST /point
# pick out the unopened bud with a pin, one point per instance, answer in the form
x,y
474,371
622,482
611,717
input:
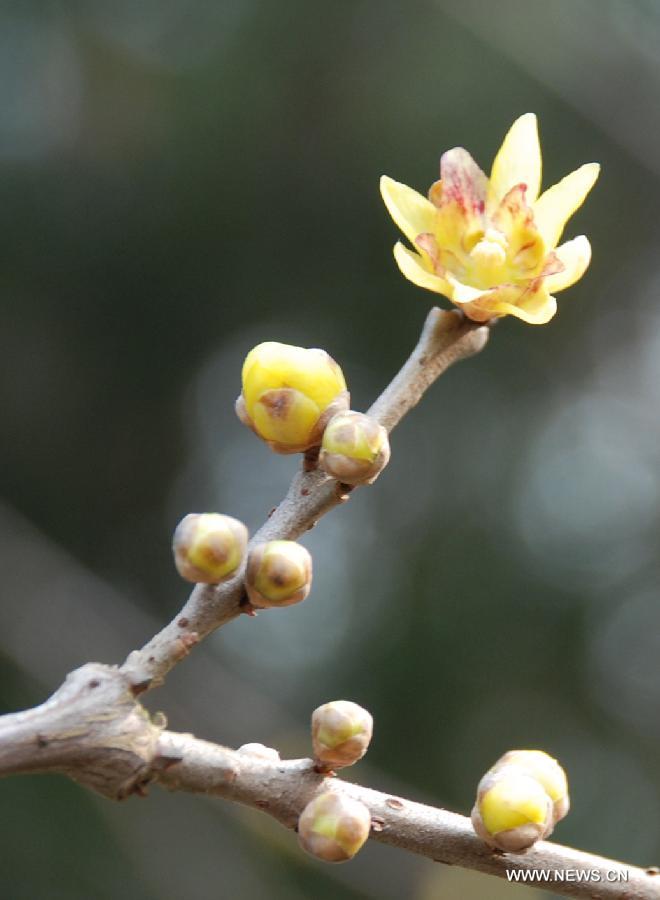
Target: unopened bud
x,y
260,751
289,394
333,827
341,732
355,448
512,810
209,547
279,573
544,769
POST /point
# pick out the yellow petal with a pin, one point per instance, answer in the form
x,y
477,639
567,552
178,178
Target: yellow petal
x,y
514,799
463,293
285,416
556,205
533,305
518,161
575,256
413,267
538,313
413,213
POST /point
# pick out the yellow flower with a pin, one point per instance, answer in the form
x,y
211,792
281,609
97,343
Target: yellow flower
x,y
490,244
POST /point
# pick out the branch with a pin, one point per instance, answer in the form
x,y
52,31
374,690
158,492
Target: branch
x,y
94,730
446,338
283,788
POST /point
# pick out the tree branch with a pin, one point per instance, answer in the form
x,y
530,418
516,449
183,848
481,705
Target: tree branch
x,y
446,338
94,730
284,788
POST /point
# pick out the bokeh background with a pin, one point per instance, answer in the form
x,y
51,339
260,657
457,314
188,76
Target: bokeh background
x,y
181,180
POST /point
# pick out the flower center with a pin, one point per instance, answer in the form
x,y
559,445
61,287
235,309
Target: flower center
x,y
488,256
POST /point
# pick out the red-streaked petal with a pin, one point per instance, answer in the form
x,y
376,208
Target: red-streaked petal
x,y
515,219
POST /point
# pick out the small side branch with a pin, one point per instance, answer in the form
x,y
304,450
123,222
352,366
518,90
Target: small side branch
x,y
446,338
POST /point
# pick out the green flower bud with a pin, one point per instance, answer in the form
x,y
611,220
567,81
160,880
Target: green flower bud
x,y
279,573
355,448
333,827
209,547
341,732
289,393
546,771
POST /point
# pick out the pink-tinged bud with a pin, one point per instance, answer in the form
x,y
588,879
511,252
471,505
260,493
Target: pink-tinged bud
x,y
355,448
341,732
279,573
209,547
333,827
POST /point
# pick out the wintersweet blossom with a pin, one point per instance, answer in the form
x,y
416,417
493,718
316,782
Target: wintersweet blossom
x,y
490,244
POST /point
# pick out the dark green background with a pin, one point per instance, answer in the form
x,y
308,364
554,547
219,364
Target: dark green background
x,y
181,180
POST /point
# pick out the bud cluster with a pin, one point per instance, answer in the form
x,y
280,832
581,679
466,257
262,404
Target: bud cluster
x,y
520,800
296,400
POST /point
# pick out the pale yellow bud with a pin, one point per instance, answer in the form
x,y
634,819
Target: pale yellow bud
x,y
355,448
546,771
341,732
289,394
209,547
512,810
279,573
333,827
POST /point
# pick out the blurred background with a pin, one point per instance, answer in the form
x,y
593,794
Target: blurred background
x,y
181,180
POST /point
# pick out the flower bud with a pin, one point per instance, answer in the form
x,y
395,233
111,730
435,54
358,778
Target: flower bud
x,y
260,751
341,732
333,827
546,771
355,448
289,394
279,573
512,810
209,547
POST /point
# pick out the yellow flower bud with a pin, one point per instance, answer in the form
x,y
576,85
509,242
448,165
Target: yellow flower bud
x,y
288,395
333,827
341,732
279,573
209,547
355,448
512,810
546,771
